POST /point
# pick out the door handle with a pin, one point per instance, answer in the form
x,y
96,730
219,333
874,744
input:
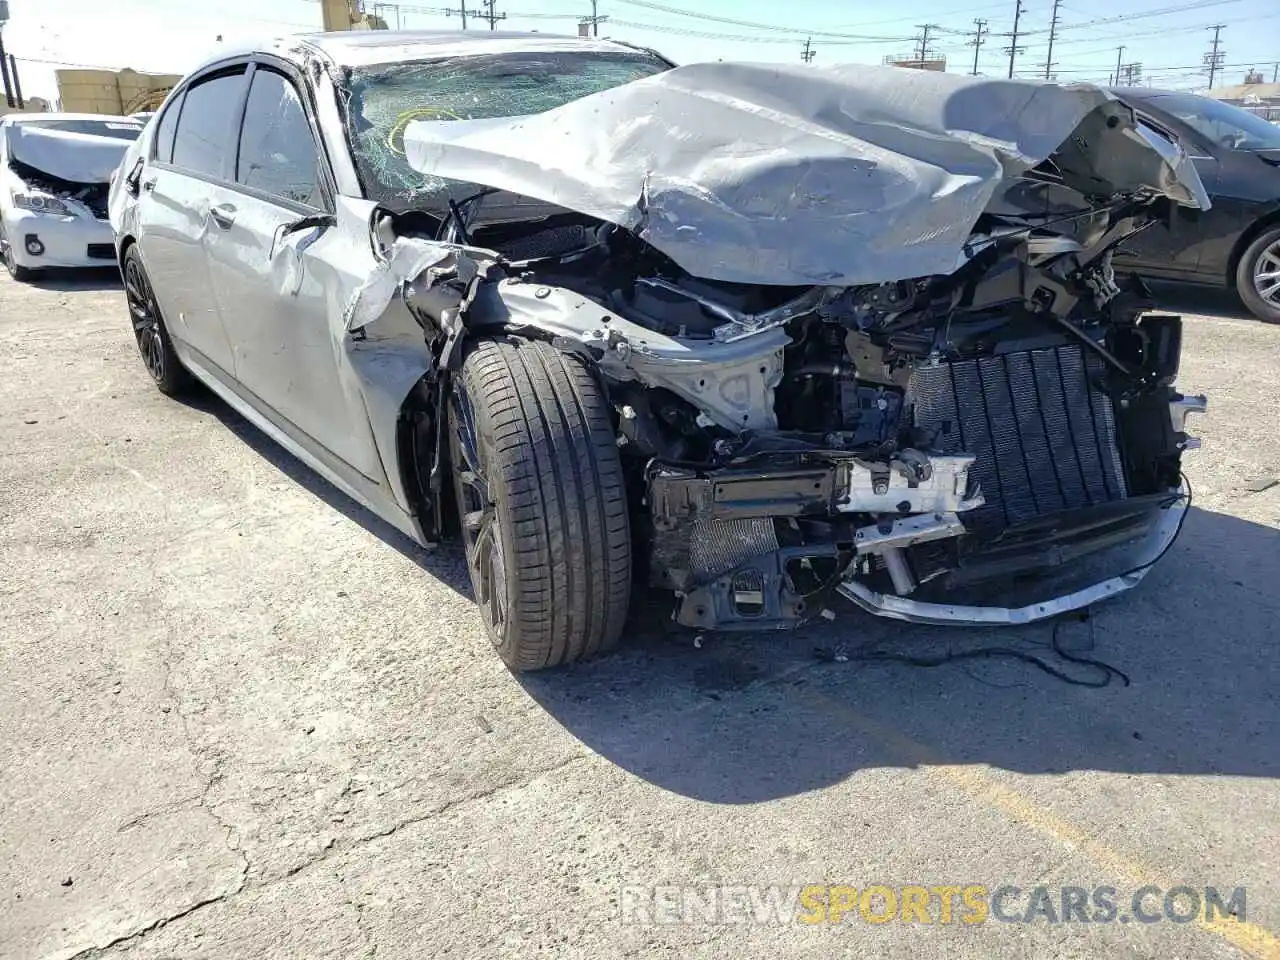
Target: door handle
x,y
149,183
224,215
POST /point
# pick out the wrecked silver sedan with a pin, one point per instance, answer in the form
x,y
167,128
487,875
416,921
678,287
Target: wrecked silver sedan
x,y
751,333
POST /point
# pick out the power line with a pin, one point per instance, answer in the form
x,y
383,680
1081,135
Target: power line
x,y
743,37
757,25
1126,17
875,23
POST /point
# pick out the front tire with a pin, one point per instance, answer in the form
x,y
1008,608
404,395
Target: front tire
x,y
154,345
19,273
542,501
1258,276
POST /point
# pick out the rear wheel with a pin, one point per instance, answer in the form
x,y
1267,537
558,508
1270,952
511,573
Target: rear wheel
x,y
1258,276
542,502
154,345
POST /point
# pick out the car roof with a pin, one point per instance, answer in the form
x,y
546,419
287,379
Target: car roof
x,y
33,117
1146,93
355,48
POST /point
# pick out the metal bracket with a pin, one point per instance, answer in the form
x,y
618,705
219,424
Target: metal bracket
x,y
938,485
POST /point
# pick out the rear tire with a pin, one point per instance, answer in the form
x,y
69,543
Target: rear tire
x,y
1258,273
154,345
542,501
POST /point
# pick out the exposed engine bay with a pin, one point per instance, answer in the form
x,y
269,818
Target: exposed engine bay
x,y
93,196
994,444
69,159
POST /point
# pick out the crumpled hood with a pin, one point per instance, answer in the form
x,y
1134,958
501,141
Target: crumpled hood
x,y
74,157
798,175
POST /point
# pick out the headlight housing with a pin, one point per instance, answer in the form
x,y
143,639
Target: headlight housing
x,y
39,203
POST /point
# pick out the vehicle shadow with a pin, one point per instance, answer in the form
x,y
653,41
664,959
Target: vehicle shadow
x,y
746,718
446,563
86,279
743,719
1190,298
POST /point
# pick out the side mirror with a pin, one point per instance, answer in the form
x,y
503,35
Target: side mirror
x,y
132,183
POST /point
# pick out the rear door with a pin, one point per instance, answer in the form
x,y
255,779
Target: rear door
x,y
193,149
276,295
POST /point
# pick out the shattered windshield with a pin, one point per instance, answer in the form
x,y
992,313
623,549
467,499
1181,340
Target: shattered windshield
x,y
118,129
382,100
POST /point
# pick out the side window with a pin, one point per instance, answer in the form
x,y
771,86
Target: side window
x,y
166,125
206,126
278,153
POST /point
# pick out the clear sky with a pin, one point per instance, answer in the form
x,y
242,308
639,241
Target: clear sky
x,y
1169,38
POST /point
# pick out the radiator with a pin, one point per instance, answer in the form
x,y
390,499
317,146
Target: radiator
x,y
718,546
1044,438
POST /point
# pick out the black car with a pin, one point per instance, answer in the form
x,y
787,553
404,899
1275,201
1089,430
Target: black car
x,y
1237,242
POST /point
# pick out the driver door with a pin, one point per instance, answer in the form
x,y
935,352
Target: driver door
x,y
275,292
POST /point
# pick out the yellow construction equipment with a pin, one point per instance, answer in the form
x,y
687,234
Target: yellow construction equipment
x,y
348,15
119,92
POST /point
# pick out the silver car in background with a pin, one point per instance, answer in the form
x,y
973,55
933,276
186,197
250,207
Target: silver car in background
x,y
755,333
55,171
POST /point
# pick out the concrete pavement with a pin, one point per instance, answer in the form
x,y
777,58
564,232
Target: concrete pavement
x,y
240,717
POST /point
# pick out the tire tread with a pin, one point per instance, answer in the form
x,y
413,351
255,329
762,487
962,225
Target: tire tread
x,y
557,478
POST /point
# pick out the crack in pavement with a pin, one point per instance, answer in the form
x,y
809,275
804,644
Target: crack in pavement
x,y
244,885
172,807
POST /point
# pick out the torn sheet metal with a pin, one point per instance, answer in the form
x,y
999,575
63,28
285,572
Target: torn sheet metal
x,y
409,258
756,173
74,157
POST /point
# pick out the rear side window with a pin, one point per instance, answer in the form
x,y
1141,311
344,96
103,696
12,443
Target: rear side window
x,y
278,154
166,125
206,126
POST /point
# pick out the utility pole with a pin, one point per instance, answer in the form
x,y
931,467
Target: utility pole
x,y
1053,33
595,19
490,14
462,4
1013,49
1115,82
1215,57
1132,74
808,53
922,51
976,42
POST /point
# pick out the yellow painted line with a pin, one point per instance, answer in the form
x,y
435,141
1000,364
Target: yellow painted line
x,y
1252,939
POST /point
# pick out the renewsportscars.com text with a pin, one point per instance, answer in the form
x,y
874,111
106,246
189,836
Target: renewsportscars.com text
x,y
964,904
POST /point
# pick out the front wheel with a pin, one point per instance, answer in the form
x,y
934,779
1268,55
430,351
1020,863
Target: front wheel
x,y
543,503
1258,276
17,271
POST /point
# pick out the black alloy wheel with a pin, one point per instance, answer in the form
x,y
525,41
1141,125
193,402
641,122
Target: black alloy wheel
x,y
149,331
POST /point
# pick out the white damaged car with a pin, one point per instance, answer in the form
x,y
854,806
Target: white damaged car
x,y
55,173
754,334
